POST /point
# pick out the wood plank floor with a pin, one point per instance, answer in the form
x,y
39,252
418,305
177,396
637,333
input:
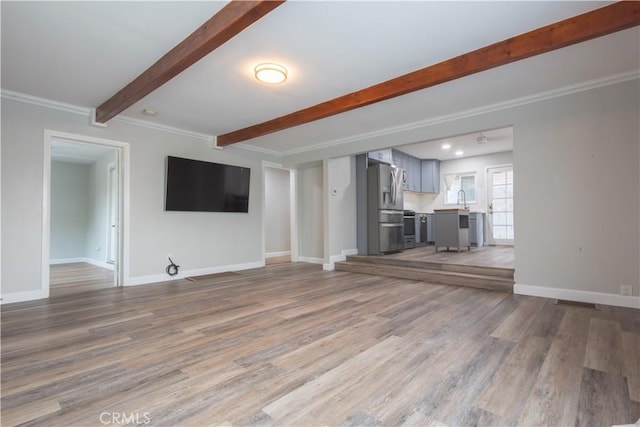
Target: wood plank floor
x,y
293,345
484,256
78,277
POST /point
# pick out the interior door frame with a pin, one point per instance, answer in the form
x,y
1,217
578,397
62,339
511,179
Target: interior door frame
x,y
112,172
121,271
293,219
489,223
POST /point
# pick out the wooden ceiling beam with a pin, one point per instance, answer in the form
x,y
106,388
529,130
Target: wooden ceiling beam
x,y
606,20
224,25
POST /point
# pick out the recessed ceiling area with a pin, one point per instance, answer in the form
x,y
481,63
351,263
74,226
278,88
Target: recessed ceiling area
x,y
498,140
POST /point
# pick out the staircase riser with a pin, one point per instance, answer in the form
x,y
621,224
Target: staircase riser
x,y
430,277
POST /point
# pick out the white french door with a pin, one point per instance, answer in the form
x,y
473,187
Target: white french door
x,y
500,206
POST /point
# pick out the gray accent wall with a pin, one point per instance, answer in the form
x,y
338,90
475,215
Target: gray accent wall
x,y
340,223
311,213
98,221
277,208
69,210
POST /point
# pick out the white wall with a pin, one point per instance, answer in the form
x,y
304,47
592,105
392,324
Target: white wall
x,y
340,212
277,210
98,221
69,210
311,214
197,241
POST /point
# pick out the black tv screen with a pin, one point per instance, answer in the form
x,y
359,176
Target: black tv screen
x,y
197,186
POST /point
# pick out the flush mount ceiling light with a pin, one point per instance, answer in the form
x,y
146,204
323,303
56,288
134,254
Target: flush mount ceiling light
x,y
459,153
482,139
446,146
270,73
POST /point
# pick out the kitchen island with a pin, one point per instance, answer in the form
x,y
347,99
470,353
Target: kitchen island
x,y
452,228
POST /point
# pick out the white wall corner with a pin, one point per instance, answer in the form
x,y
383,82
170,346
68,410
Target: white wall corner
x,y
214,143
277,254
311,260
578,296
337,258
92,120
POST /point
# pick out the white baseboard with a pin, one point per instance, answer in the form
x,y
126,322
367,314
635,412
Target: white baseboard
x,y
155,278
277,254
66,261
84,259
310,260
578,296
23,296
100,263
337,258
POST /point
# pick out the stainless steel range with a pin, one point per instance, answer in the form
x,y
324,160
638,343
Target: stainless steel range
x,y
409,218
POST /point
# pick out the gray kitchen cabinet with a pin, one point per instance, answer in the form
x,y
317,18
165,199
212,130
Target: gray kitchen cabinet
x,y
400,160
415,175
381,156
430,176
476,229
412,168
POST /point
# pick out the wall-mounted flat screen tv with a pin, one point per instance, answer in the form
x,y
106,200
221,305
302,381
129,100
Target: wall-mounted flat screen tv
x,y
197,186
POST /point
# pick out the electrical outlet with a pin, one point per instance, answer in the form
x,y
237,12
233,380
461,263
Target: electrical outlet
x,y
626,290
98,249
169,256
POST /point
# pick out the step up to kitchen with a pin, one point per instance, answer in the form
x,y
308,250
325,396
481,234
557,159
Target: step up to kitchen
x,y
458,268
430,275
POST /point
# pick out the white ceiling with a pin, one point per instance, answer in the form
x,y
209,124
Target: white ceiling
x,y
81,53
498,140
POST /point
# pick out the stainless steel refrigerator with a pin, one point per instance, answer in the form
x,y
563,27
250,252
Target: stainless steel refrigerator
x,y
385,209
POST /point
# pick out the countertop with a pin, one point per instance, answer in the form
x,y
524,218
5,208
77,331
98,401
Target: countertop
x,y
451,210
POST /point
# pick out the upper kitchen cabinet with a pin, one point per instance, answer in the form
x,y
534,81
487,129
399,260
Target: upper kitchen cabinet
x,y
415,174
381,156
430,176
411,166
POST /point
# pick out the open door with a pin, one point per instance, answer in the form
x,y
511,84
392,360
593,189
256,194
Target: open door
x,y
112,215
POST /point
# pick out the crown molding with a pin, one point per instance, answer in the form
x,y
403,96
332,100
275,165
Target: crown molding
x,y
542,96
44,102
88,112
517,102
157,126
258,149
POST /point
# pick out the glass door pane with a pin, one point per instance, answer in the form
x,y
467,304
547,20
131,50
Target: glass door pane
x,y
500,186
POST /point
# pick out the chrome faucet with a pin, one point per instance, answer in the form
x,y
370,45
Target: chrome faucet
x,y
463,198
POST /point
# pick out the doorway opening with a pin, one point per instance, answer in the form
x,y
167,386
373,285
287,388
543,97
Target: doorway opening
x,y
84,216
279,215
